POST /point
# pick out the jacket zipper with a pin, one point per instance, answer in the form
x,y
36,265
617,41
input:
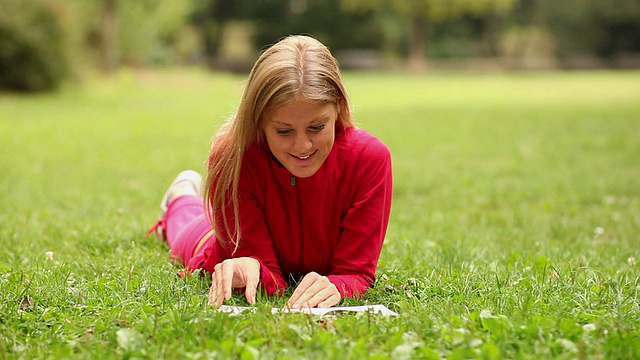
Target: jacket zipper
x,y
293,183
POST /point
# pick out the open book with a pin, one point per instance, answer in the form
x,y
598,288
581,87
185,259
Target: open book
x,y
376,309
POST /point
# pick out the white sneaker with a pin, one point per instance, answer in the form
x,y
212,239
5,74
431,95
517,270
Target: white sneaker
x,y
187,176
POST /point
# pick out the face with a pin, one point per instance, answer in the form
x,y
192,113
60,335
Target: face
x,y
301,135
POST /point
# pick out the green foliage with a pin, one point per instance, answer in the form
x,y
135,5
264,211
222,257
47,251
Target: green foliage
x,y
337,29
35,38
433,10
421,13
146,29
606,28
514,226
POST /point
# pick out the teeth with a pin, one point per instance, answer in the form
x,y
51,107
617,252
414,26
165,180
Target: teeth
x,y
303,157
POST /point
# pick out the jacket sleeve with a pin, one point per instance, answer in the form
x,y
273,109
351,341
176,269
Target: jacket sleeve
x,y
255,239
364,226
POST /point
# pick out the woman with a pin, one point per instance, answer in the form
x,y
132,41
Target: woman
x,y
294,192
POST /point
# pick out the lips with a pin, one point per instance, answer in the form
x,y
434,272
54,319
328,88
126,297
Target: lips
x,y
303,157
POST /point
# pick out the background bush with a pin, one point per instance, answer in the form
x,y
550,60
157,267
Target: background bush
x,y
34,44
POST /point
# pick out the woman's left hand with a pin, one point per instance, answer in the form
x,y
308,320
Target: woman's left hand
x,y
232,274
314,290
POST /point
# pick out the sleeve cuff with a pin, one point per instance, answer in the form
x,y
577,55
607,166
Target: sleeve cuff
x,y
271,282
349,285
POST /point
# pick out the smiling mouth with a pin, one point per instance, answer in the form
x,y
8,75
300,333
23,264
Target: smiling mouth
x,y
305,157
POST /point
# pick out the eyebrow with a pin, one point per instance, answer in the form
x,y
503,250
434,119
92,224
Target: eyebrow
x,y
322,118
280,122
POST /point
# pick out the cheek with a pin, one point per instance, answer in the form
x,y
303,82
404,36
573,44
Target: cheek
x,y
328,140
275,143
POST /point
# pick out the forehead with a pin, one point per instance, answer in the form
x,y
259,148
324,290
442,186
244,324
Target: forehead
x,y
301,112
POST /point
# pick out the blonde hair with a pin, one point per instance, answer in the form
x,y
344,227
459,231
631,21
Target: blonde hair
x,y
297,68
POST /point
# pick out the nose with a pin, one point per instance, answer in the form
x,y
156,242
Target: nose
x,y
302,144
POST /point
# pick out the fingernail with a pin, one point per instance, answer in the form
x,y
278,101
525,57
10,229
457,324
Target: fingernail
x,y
296,306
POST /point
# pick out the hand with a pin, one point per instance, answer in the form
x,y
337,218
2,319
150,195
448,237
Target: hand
x,y
231,274
314,290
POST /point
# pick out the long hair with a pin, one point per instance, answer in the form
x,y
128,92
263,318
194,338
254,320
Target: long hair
x,y
297,68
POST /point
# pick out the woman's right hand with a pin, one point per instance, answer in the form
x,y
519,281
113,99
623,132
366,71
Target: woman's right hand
x,y
232,274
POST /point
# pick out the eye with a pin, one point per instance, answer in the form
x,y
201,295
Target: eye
x,y
316,128
283,131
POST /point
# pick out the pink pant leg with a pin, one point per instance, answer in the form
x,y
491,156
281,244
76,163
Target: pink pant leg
x,y
185,224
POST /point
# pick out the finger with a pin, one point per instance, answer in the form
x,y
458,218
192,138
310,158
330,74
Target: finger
x,y
251,288
320,294
333,299
305,299
251,279
306,282
312,295
213,291
228,270
219,289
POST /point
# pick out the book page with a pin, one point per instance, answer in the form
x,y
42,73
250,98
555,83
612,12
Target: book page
x,y
376,309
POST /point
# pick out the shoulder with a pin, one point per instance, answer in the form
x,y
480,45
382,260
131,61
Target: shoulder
x,y
254,152
255,159
361,156
360,144
222,152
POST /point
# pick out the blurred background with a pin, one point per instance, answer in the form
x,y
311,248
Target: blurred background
x,y
45,43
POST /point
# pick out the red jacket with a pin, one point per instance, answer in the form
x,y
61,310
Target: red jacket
x,y
333,222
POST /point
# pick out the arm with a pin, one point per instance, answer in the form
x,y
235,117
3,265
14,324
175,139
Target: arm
x,y
362,233
256,242
355,260
253,263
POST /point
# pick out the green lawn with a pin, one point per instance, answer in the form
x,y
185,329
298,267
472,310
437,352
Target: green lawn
x,y
515,230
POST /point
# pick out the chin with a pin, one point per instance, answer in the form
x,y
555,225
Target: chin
x,y
304,174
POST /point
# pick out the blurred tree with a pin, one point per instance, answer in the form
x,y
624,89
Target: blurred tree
x,y
469,36
109,36
528,42
319,18
211,17
147,27
420,12
270,20
619,27
35,39
605,29
132,32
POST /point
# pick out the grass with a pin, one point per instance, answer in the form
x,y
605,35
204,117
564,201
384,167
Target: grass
x,y
515,227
